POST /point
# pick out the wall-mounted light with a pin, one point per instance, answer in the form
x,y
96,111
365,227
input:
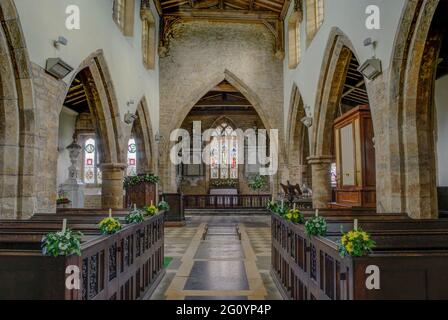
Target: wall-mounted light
x,y
61,41
308,120
159,138
371,68
58,68
129,118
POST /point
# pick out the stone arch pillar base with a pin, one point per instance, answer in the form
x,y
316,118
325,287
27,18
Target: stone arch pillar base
x,y
112,185
320,167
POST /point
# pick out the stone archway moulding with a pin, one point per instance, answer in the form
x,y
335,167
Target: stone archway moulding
x,y
17,119
143,128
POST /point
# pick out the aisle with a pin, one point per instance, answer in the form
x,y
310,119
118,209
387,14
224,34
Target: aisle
x,y
219,266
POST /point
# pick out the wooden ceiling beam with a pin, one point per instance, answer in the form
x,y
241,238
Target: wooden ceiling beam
x,y
227,14
271,4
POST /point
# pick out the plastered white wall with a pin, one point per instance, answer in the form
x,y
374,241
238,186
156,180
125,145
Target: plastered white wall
x,y
44,20
350,17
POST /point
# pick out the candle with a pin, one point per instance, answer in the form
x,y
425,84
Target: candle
x,y
283,204
64,225
317,213
356,224
294,206
151,202
110,213
135,207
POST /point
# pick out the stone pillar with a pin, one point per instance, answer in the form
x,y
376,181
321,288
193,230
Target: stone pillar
x,y
320,167
112,185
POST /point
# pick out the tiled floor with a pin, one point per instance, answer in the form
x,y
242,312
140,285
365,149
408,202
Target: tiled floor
x,y
221,266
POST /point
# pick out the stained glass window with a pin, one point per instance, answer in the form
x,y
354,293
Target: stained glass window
x,y
333,174
132,158
224,153
91,172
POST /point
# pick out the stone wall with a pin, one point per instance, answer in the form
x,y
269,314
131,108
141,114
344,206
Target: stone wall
x,y
201,56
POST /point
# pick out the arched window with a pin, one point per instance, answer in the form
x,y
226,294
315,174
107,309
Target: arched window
x,y
148,39
224,153
123,15
314,17
91,171
132,158
294,39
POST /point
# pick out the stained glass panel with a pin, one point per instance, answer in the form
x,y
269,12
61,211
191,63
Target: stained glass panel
x,y
224,153
132,158
89,161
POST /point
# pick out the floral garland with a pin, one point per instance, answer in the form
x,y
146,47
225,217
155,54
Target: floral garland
x,y
356,243
136,180
62,243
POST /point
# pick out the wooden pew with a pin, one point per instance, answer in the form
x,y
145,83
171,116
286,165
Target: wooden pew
x,y
126,265
311,267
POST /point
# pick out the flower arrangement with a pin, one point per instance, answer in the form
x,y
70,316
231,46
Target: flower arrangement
x,y
151,210
277,207
226,183
356,243
136,180
134,216
62,200
316,226
257,183
294,216
163,206
62,243
109,225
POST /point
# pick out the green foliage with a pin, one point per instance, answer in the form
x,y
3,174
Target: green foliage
x,y
356,243
316,226
277,208
136,180
134,216
151,210
163,206
62,243
294,216
257,183
109,226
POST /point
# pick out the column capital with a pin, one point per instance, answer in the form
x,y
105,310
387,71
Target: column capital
x,y
320,159
113,166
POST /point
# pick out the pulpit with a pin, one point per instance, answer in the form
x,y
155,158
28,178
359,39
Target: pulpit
x,y
355,159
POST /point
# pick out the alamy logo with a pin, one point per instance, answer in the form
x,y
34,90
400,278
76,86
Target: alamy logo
x,y
373,278
373,21
73,20
72,282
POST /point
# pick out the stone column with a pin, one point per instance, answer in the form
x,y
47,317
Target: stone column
x,y
320,167
112,185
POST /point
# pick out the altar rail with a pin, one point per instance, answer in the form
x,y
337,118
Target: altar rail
x,y
412,257
225,201
123,266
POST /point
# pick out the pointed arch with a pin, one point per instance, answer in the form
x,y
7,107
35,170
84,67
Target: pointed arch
x,y
222,119
144,138
104,108
410,108
17,119
337,57
297,140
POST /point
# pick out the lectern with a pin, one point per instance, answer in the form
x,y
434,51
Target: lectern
x,y
355,159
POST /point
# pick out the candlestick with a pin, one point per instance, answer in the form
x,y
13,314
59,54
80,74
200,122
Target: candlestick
x,y
356,224
110,213
64,225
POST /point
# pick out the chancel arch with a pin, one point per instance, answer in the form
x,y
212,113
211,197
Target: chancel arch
x,y
91,98
17,119
343,152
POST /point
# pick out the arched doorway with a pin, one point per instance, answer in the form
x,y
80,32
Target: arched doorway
x,y
343,160
90,115
17,120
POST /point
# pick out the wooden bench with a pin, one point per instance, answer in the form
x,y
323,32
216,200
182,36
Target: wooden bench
x,y
412,257
126,265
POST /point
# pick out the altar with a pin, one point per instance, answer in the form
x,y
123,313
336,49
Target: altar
x,y
224,197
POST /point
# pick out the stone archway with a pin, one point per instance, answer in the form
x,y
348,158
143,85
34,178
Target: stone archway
x,y
298,141
338,54
411,82
106,120
144,138
17,119
167,169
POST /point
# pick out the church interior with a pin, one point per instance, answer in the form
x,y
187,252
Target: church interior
x,y
223,150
